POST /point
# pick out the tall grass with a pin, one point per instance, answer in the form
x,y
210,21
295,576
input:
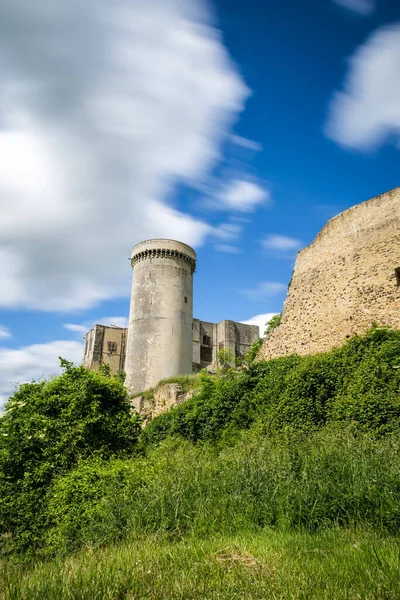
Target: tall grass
x,y
286,482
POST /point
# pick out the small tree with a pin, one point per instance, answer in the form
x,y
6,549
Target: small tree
x,y
225,360
272,323
47,428
254,350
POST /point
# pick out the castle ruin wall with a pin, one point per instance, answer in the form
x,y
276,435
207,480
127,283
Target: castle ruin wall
x,y
347,279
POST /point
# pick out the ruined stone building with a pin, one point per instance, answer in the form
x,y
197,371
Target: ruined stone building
x,y
209,338
106,344
347,279
162,339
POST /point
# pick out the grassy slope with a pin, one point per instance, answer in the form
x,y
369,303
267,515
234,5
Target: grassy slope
x,y
331,565
240,492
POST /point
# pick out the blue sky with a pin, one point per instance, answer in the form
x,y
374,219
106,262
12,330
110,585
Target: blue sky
x,y
237,126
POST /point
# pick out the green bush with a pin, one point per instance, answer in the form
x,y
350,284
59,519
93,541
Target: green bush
x,y
288,481
275,321
80,510
358,383
254,350
47,428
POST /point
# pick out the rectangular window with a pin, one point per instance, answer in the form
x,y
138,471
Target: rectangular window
x,y
206,340
112,346
397,273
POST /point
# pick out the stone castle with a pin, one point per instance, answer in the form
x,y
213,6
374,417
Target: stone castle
x,y
163,339
347,279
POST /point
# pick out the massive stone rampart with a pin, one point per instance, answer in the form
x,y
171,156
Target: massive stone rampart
x,y
345,280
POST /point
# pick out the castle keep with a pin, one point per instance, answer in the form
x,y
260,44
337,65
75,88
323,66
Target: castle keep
x,y
162,339
347,279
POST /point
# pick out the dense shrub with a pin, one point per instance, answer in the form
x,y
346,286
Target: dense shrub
x,y
47,427
358,383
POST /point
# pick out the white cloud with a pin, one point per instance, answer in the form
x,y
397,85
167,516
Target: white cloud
x,y
281,243
227,234
33,362
366,114
242,195
83,328
104,107
264,289
116,321
246,143
228,231
260,321
364,7
4,332
227,248
75,328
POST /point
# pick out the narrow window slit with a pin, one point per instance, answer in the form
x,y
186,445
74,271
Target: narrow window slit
x,y
397,274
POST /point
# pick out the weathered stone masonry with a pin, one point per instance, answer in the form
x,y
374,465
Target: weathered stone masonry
x,y
162,339
107,344
345,280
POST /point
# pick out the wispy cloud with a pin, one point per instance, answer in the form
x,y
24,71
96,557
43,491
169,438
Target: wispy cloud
x,y
246,143
242,196
366,114
227,234
363,7
264,289
83,328
5,332
227,248
228,231
75,328
281,243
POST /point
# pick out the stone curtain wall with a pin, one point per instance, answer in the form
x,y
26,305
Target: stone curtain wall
x,y
344,281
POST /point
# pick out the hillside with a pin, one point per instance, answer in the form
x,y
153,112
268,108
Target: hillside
x,y
279,478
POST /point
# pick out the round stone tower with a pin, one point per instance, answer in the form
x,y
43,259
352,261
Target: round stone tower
x,y
160,340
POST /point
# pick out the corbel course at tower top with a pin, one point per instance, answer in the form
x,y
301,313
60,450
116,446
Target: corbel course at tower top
x,y
163,248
